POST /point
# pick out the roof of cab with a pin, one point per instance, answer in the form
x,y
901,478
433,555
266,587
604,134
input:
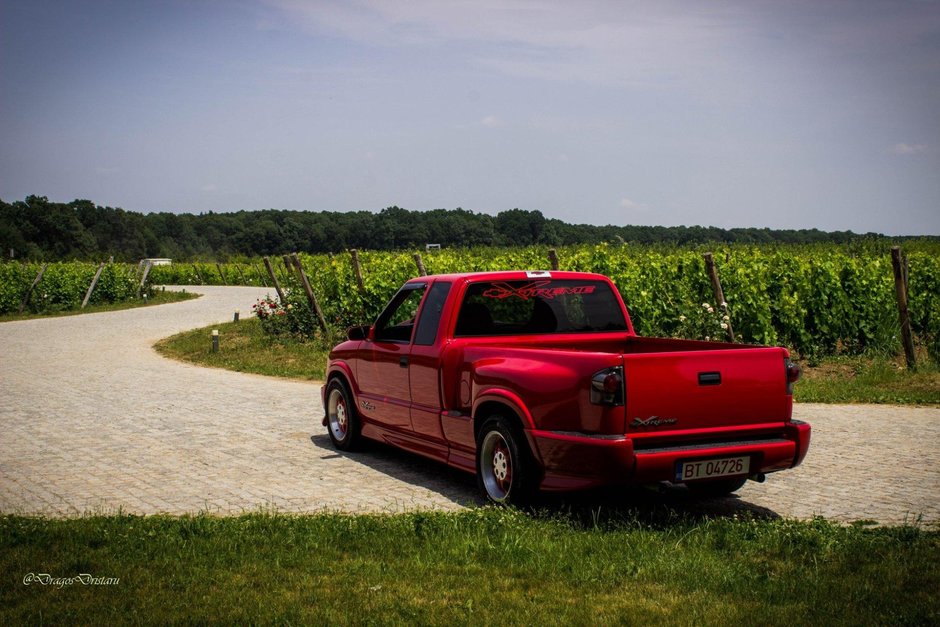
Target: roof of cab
x,y
511,275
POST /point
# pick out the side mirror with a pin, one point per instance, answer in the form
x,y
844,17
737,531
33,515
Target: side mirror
x,y
358,333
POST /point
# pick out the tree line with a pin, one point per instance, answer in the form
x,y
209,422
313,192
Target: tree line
x,y
36,228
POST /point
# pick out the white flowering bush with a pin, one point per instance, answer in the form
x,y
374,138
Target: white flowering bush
x,y
705,322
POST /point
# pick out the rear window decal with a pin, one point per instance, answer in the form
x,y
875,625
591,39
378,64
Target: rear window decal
x,y
535,289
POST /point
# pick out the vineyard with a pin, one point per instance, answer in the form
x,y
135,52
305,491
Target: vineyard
x,y
63,285
816,299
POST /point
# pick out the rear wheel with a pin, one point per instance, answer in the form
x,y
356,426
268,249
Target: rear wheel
x,y
719,487
504,465
342,421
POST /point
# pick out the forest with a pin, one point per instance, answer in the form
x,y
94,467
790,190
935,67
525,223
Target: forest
x,y
37,229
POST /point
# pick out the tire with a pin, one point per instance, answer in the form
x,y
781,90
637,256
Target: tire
x,y
504,464
718,488
342,421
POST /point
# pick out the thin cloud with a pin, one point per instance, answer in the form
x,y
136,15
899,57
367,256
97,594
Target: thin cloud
x,y
908,149
587,41
491,121
632,205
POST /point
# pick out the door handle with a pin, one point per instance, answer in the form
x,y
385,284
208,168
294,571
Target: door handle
x,y
709,378
403,362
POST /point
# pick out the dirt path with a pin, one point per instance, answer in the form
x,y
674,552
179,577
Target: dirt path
x,y
92,419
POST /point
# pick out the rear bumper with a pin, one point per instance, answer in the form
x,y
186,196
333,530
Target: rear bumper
x,y
574,460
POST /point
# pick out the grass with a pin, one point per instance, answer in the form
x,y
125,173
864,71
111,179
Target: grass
x,y
158,298
243,347
869,380
832,380
482,566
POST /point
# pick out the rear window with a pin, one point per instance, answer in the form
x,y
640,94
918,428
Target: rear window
x,y
540,306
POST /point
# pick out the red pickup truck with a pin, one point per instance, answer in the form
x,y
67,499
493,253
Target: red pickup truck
x,y
536,380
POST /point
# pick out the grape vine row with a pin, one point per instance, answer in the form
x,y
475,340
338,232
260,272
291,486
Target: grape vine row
x,y
816,299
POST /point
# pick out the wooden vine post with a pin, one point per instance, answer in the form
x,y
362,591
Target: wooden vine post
x,y
287,265
420,264
36,281
719,293
143,278
314,306
94,282
198,276
260,275
274,281
899,264
241,274
221,274
553,258
357,270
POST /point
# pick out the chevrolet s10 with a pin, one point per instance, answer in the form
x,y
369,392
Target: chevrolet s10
x,y
537,381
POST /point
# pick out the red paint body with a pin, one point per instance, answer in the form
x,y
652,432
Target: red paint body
x,y
429,398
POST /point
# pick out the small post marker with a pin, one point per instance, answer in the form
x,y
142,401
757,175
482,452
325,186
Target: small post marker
x,y
215,340
235,319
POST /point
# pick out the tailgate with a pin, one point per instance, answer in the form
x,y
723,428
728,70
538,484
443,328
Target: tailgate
x,y
679,391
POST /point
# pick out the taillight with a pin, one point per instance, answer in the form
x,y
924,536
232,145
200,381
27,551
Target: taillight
x,y
793,374
607,387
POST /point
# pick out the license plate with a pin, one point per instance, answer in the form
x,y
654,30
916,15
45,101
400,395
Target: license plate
x,y
710,468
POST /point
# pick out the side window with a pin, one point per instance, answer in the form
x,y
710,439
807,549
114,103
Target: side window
x,y
431,314
396,323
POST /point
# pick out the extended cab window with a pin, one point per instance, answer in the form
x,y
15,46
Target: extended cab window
x,y
539,306
431,314
396,323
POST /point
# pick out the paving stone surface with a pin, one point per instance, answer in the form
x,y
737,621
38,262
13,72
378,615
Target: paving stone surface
x,y
92,419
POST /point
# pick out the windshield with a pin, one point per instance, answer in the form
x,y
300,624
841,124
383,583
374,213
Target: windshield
x,y
539,306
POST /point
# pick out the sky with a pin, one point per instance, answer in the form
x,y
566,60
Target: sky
x,y
744,113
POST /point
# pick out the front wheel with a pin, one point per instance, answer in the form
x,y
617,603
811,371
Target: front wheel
x,y
342,421
504,467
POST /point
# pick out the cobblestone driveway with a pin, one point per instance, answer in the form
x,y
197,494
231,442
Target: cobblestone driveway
x,y
92,419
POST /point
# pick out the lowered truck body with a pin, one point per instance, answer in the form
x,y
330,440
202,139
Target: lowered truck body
x,y
536,380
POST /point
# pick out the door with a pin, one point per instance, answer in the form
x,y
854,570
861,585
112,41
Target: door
x,y
425,365
385,395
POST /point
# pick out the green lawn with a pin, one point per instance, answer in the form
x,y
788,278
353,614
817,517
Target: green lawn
x,y
869,380
158,298
483,566
244,348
